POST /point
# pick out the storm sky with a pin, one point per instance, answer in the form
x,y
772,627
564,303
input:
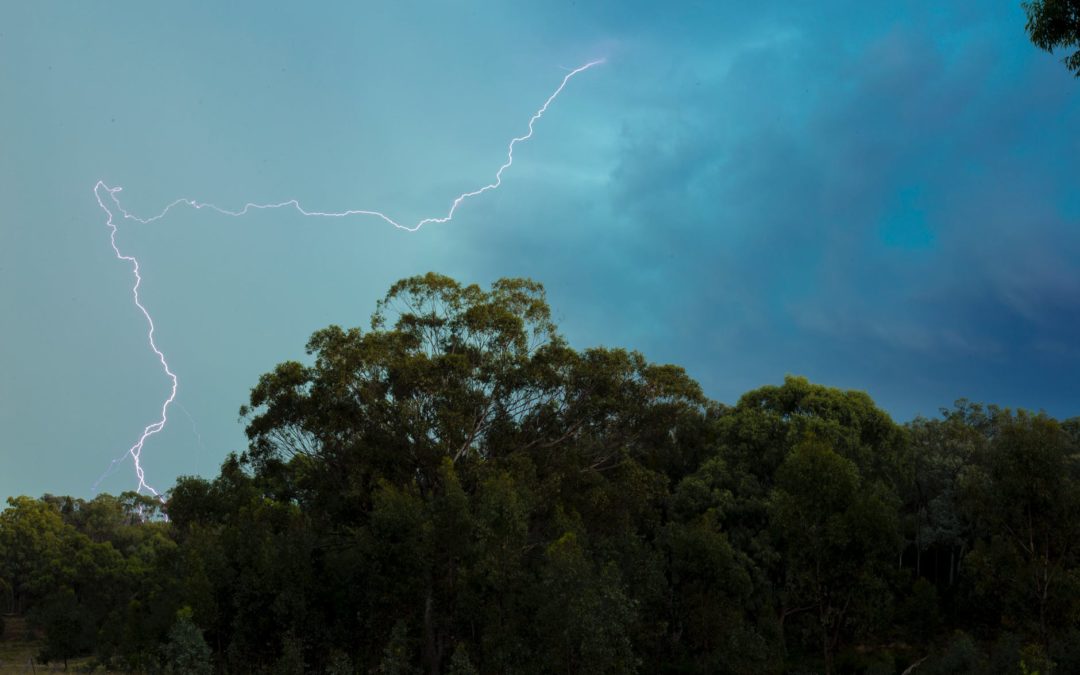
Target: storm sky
x,y
878,196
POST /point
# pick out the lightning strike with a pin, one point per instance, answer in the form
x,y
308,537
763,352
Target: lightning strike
x,y
106,195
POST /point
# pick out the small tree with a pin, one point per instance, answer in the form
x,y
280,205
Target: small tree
x,y
460,664
187,651
291,661
396,657
61,617
339,663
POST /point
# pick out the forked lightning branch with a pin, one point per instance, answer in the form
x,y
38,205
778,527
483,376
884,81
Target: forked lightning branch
x,y
108,200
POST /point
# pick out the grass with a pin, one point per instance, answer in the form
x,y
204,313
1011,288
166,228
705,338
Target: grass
x,y
18,648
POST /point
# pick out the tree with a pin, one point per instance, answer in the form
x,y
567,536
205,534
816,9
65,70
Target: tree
x,y
65,627
455,371
393,435
938,454
711,582
837,533
759,436
31,536
585,615
443,369
768,422
187,652
7,598
397,658
460,663
1025,501
1053,24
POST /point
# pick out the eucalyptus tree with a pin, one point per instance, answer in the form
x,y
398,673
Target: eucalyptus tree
x,y
1054,24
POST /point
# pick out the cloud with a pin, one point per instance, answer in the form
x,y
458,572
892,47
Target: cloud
x,y
901,208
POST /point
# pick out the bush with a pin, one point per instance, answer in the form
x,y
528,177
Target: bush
x,y
339,664
187,652
961,655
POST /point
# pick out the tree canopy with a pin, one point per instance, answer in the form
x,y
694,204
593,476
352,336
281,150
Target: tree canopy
x,y
455,489
1055,24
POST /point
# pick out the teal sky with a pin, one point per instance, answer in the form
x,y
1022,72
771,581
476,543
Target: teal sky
x,y
877,197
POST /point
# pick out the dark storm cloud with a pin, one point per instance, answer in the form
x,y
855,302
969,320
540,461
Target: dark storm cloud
x,y
895,218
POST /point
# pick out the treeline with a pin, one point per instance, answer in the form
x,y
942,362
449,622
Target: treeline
x,y
456,490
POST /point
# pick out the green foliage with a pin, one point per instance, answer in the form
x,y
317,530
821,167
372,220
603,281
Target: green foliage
x,y
31,532
460,664
65,629
291,661
1034,660
1026,495
1053,24
457,490
186,651
397,656
960,656
585,615
921,612
836,535
339,663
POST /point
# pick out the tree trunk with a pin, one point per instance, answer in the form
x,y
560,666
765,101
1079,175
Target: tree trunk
x,y
429,632
826,651
1044,594
918,547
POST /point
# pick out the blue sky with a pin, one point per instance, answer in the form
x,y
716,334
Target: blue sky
x,y
879,196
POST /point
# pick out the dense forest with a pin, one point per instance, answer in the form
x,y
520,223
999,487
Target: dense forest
x,y
457,490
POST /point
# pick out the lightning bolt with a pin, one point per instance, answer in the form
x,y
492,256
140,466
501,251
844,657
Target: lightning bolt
x,y
107,199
